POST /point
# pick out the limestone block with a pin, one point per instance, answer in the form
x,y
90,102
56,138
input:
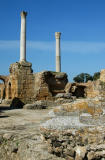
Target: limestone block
x,y
68,87
102,75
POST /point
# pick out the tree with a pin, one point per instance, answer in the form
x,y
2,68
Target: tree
x,y
82,78
96,76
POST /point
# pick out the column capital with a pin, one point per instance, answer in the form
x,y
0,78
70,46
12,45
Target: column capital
x,y
23,14
57,35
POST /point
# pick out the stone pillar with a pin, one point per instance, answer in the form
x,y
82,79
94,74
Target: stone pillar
x,y
23,37
58,56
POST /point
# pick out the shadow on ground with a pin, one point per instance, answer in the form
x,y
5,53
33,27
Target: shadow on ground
x,y
3,116
4,107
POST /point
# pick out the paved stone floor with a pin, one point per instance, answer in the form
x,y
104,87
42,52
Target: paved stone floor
x,y
20,137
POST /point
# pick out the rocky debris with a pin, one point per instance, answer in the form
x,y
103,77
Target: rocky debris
x,y
42,104
64,95
36,105
76,130
80,152
6,101
64,100
7,136
76,143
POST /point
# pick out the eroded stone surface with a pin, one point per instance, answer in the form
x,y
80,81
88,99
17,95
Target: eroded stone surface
x,y
20,137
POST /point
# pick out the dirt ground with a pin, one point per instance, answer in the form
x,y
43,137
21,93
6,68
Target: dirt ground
x,y
20,137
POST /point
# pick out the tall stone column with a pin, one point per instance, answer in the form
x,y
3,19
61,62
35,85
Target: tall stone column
x,y
58,56
23,37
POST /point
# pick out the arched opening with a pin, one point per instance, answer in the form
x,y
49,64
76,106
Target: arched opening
x,y
0,93
9,87
2,89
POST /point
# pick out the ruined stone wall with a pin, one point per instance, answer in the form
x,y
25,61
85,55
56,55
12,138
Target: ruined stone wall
x,y
48,84
1,90
29,87
41,89
93,89
4,87
102,75
22,81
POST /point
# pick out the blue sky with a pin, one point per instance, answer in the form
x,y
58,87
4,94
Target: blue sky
x,y
81,22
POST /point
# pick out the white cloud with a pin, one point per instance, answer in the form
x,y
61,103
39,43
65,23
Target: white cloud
x,y
6,45
83,47
66,46
42,46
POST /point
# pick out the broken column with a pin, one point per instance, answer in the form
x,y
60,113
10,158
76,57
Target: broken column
x,y
23,37
58,56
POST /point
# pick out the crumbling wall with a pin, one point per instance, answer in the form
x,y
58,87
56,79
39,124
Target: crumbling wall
x,y
76,89
22,81
102,75
48,84
29,87
1,90
41,88
4,87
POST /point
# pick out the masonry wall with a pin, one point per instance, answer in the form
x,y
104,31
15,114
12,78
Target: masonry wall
x,y
29,87
22,81
1,91
48,84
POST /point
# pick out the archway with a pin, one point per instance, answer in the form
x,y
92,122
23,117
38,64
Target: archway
x,y
2,89
9,89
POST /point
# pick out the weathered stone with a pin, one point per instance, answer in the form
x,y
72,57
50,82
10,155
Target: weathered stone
x,y
36,105
28,87
72,142
90,106
80,152
69,158
68,87
7,136
102,75
63,95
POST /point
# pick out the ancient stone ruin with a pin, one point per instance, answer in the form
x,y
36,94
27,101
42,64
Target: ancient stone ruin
x,y
26,85
74,128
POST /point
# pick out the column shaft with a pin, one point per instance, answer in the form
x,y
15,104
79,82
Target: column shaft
x,y
23,37
58,56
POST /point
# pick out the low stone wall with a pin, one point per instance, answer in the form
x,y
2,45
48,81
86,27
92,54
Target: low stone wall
x,y
85,143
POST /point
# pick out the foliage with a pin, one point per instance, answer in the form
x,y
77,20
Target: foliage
x,y
82,78
96,76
